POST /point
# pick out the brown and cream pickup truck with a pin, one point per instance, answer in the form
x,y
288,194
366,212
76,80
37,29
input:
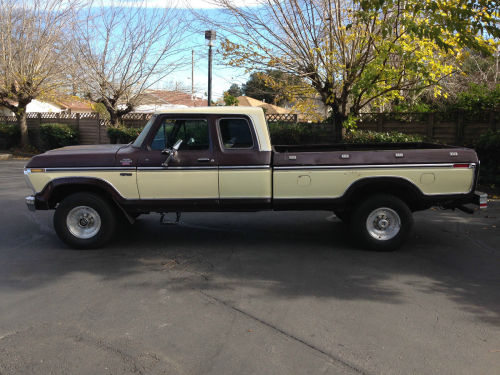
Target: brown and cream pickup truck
x,y
221,159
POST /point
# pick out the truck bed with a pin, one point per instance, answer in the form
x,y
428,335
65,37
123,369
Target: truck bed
x,y
359,147
370,154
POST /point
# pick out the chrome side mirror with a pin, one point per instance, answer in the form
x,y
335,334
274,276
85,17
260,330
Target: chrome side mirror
x,y
171,152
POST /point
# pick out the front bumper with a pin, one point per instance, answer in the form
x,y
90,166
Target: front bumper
x,y
30,202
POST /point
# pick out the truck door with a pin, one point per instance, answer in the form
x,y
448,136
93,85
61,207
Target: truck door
x,y
191,178
245,174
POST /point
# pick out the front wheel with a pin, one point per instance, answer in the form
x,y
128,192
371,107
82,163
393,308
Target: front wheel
x,y
382,222
84,221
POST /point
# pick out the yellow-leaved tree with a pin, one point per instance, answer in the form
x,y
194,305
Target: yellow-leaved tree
x,y
359,53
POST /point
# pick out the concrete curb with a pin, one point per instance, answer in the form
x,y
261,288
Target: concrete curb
x,y
5,156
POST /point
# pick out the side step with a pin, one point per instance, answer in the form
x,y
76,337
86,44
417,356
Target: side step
x,y
164,221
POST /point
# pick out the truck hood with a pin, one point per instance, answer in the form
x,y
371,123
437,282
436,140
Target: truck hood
x,y
77,156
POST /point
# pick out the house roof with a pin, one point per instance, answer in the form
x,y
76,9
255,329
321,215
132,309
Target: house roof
x,y
74,104
176,98
270,109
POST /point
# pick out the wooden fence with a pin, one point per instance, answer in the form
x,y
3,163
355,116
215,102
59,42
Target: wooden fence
x,y
457,128
460,128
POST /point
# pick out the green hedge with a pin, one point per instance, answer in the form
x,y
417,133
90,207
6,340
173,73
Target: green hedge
x,y
123,134
9,134
368,136
488,150
306,133
57,135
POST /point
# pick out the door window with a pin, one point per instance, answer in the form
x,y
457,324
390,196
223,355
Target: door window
x,y
194,134
235,133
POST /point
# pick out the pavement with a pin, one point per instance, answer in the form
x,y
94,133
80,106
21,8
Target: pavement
x,y
247,293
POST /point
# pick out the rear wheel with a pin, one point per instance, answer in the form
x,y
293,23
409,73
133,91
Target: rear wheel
x,y
84,221
382,222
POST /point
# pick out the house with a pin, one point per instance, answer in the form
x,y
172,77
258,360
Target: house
x,y
158,100
63,105
270,109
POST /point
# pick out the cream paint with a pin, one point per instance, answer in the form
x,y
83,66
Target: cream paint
x,y
333,183
178,184
125,185
245,183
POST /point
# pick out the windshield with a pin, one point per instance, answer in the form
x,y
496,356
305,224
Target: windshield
x,y
140,139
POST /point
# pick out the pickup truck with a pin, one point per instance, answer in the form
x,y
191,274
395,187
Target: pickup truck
x,y
221,159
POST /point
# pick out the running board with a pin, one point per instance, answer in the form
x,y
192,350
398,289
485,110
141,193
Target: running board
x,y
163,221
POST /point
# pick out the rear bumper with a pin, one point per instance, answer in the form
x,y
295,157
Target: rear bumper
x,y
480,199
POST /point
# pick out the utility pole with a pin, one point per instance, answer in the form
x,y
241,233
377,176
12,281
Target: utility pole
x,y
210,37
192,74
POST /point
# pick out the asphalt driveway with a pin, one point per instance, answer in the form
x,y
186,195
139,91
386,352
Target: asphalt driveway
x,y
247,293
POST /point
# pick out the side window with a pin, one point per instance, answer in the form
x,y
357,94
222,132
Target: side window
x,y
163,136
194,134
235,133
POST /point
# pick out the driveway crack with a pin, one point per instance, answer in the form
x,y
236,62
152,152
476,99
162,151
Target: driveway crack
x,y
330,356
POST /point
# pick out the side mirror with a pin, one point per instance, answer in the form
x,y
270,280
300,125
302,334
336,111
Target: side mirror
x,y
171,152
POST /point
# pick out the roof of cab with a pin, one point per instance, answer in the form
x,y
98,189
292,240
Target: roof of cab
x,y
215,109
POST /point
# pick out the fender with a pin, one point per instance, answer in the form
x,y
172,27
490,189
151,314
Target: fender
x,y
56,188
399,186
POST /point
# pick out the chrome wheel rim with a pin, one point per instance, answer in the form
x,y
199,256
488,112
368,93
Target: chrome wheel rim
x,y
83,222
383,223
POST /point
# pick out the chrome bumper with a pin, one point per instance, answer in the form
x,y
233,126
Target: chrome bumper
x,y
30,202
481,199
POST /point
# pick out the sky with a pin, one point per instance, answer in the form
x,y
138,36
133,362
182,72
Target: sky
x,y
222,75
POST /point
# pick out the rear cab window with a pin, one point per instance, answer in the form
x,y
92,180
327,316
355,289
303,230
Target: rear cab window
x,y
235,133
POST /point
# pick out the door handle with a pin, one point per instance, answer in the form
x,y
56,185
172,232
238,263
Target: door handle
x,y
204,160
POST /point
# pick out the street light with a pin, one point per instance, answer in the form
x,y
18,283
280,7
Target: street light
x,y
210,37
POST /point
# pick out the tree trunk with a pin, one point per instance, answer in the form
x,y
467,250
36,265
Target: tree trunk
x,y
23,126
337,118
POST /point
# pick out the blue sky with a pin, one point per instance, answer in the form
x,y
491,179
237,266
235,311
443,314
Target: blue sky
x,y
223,75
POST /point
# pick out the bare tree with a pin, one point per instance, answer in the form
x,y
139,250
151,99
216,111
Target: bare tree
x,y
31,44
353,53
122,50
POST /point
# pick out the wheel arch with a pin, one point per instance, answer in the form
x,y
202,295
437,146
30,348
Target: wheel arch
x,y
58,189
400,187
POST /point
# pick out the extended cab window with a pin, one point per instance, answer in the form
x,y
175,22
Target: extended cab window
x,y
194,134
235,133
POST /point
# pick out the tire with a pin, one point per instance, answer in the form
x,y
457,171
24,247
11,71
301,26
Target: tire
x,y
381,222
85,221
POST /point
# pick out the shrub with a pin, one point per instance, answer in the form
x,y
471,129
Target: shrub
x,y
300,133
488,150
368,136
57,135
123,134
9,134
305,133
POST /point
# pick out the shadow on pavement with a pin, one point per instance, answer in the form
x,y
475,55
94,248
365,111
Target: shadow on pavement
x,y
287,254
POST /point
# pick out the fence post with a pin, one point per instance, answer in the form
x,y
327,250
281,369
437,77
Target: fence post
x,y
39,115
430,126
459,131
98,122
380,122
296,118
77,117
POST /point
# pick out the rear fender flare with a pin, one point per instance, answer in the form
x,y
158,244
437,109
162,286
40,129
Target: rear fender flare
x,y
398,186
